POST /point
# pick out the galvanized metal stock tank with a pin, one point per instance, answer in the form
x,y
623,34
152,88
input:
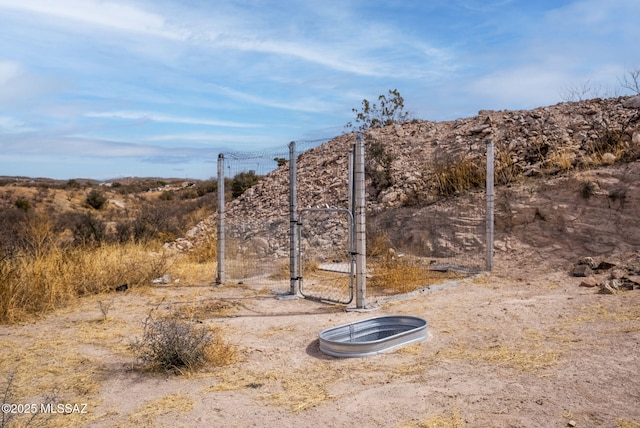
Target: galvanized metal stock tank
x,y
373,336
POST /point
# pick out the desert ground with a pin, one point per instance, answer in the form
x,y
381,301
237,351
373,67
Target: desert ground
x,y
522,346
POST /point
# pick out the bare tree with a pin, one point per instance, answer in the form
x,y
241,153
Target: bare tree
x,y
586,91
631,80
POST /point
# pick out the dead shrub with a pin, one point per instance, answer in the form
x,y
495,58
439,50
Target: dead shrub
x,y
179,346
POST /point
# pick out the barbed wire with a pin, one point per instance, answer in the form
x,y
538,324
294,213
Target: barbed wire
x,y
267,159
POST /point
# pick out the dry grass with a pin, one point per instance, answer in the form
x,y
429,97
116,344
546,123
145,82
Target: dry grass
x,y
233,379
458,176
220,353
282,271
561,160
506,168
148,414
205,252
297,390
627,423
530,358
597,312
274,331
201,310
51,367
42,276
450,419
392,276
185,271
303,388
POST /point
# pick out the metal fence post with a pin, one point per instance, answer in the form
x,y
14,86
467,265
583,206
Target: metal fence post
x,y
490,205
221,234
350,205
360,224
293,220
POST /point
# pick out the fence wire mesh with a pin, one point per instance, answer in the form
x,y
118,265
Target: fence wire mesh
x,y
257,222
408,247
326,254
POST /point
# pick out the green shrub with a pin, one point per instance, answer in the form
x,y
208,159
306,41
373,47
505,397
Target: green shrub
x,y
89,229
588,189
166,195
242,181
96,199
23,204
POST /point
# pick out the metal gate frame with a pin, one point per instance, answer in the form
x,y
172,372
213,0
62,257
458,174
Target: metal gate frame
x,y
351,253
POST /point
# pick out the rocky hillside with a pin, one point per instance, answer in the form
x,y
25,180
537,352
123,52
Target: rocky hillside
x,y
567,177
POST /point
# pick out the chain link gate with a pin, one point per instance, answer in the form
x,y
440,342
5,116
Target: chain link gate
x,y
326,254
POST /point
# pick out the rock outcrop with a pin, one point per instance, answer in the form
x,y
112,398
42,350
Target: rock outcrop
x,y
567,177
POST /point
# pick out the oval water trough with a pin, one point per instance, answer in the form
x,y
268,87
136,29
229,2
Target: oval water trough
x,y
372,336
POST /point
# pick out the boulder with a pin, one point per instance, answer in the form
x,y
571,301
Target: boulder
x,y
589,282
632,102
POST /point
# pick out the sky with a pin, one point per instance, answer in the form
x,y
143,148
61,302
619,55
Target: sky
x,y
158,88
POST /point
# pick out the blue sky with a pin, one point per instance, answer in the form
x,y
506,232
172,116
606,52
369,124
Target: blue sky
x,y
105,89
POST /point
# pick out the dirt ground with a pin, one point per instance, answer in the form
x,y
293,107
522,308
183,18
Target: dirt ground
x,y
524,346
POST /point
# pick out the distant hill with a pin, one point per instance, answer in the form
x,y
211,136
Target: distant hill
x,y
567,178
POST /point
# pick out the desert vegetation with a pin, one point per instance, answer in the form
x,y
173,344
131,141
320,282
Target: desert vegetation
x,y
179,346
64,240
67,247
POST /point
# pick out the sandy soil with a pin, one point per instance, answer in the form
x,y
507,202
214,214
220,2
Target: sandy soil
x,y
522,347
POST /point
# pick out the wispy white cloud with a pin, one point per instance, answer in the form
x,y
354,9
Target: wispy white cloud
x,y
10,125
19,85
119,16
158,117
204,138
166,80
9,70
307,105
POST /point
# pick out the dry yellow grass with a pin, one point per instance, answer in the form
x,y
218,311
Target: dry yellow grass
x,y
234,379
598,311
458,176
220,353
450,419
183,270
206,309
561,160
303,389
296,390
148,413
626,423
273,331
33,283
531,358
402,277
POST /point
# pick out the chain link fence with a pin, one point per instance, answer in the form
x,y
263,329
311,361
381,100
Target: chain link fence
x,y
408,247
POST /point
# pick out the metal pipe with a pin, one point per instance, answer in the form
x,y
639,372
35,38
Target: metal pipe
x,y
360,224
490,206
350,198
220,279
293,220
